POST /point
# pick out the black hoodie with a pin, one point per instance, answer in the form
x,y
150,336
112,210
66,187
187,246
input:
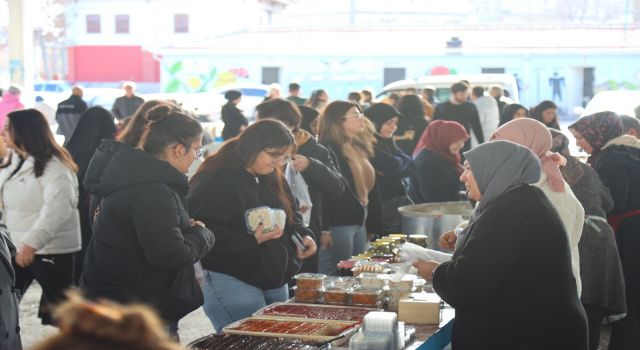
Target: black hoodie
x,y
143,246
220,199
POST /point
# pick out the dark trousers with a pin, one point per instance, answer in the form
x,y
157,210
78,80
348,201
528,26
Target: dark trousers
x,y
595,315
54,273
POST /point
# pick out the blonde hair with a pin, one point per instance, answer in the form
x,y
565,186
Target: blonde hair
x,y
330,127
104,326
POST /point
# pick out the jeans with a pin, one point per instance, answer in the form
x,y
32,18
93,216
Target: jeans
x,y
347,242
227,299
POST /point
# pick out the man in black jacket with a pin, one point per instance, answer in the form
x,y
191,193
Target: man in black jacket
x,y
125,106
459,109
69,112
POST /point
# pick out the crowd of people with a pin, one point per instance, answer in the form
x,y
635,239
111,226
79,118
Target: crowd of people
x,y
551,251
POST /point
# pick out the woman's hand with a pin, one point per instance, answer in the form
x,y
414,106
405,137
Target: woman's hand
x,y
426,268
196,222
262,237
300,163
326,241
448,241
311,248
25,256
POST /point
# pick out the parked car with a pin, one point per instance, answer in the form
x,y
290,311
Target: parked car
x,y
442,84
619,101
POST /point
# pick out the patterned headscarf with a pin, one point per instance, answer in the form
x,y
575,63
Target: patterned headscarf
x,y
535,136
598,129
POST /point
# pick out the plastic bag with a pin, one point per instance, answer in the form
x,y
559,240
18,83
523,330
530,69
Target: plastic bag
x,y
199,272
410,251
300,192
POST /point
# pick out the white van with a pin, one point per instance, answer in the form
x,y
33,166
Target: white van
x,y
442,84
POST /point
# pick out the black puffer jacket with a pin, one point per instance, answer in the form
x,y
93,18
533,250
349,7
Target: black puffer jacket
x,y
220,199
322,177
143,246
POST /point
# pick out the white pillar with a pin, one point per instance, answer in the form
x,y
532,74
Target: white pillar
x,y
21,60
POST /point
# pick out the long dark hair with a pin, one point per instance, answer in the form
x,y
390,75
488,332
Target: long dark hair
x,y
95,124
242,151
132,134
165,126
282,110
536,113
30,132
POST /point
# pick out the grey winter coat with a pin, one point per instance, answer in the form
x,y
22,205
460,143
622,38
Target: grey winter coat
x,y
9,330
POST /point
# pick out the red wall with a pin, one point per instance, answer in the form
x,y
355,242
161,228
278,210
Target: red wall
x,y
112,64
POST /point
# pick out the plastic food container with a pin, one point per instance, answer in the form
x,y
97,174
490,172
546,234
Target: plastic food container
x,y
336,296
307,295
371,341
342,282
254,217
369,266
372,280
366,297
310,280
404,284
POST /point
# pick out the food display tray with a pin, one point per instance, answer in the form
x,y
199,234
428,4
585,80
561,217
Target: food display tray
x,y
315,311
297,328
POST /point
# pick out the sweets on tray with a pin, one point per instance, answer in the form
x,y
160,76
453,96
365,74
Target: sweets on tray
x,y
289,327
250,342
315,311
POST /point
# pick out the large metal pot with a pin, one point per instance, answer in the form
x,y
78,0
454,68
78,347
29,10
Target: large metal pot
x,y
433,219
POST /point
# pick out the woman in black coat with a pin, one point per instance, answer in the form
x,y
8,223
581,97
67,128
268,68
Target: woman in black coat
x,y
392,165
253,258
144,242
96,124
314,161
437,162
232,117
510,280
616,158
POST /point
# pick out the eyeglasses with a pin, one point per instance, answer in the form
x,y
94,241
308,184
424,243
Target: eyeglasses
x,y
279,157
356,115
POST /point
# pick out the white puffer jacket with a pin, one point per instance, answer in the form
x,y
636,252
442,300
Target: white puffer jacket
x,y
571,213
41,212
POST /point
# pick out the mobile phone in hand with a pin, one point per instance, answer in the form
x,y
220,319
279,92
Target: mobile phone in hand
x,y
297,240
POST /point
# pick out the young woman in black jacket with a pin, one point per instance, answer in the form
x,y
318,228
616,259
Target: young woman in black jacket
x,y
392,165
437,161
340,124
144,242
314,161
251,263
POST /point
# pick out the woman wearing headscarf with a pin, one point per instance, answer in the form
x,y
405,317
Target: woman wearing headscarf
x,y
600,270
535,136
232,117
310,120
437,162
507,296
412,124
95,125
616,158
392,165
511,112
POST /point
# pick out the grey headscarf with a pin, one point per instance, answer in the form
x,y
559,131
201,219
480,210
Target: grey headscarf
x,y
499,165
